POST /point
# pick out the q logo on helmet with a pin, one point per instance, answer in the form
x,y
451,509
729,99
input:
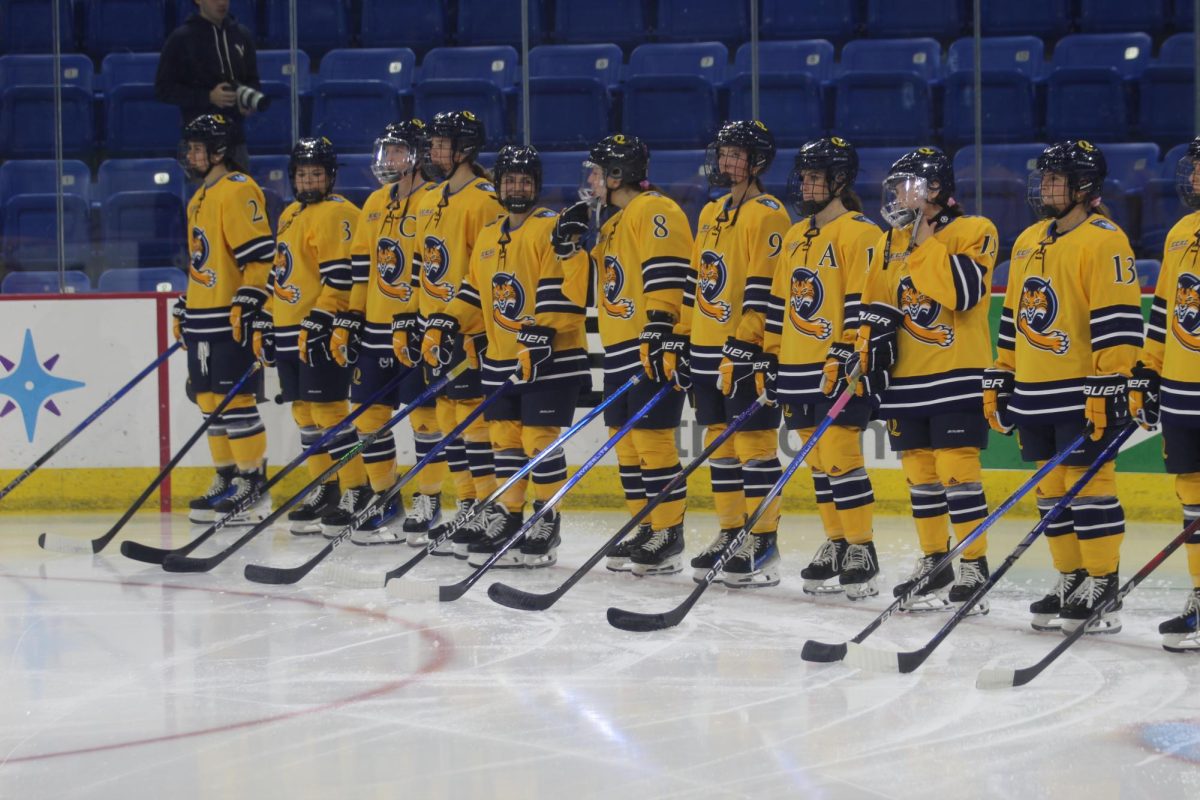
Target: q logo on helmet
x,y
198,264
1037,311
710,281
838,141
469,115
613,281
619,139
287,292
434,268
807,297
1086,146
1185,320
920,315
926,151
393,275
508,301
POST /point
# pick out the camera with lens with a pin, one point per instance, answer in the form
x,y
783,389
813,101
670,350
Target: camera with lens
x,y
250,98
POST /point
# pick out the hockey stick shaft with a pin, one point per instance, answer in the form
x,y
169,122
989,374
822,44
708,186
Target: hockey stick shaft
x,y
107,404
515,598
457,590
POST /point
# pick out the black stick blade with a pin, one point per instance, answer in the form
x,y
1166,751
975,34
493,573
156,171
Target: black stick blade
x,y
639,623
508,596
823,653
260,573
144,553
178,563
451,592
910,661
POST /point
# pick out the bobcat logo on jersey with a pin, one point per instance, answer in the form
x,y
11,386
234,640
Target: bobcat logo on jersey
x,y
393,272
434,267
921,313
808,295
287,292
197,271
710,282
1039,307
508,301
613,282
1185,319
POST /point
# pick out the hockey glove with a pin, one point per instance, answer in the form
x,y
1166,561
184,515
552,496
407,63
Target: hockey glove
x,y
838,361
474,346
247,304
315,330
535,341
406,339
737,364
659,326
677,362
346,338
998,385
262,339
178,315
876,345
569,230
1105,404
441,345
1144,387
766,376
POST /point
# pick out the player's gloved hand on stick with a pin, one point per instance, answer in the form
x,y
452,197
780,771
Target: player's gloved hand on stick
x,y
840,359
315,330
569,230
247,304
677,362
998,386
1144,386
406,339
263,339
441,347
1105,404
737,363
535,342
876,344
346,337
659,327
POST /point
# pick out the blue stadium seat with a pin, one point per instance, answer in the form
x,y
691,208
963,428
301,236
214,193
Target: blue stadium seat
x,y
120,68
882,108
45,282
137,26
27,122
565,167
30,230
1122,207
40,177
497,63
790,105
1183,17
276,66
138,124
775,180
568,113
25,27
1009,110
1127,53
143,228
811,56
1166,103
999,160
320,27
1132,163
1004,204
144,279
673,168
141,175
1086,104
1000,276
1161,209
498,22
38,70
1118,16
355,181
941,19
1178,50
1022,53
805,19
920,56
1147,272
706,60
620,21
1171,161
352,113
271,174
698,20
270,131
601,61
422,24
244,11
672,111
1048,19
396,66
483,97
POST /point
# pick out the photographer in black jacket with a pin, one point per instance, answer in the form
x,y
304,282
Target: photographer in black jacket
x,y
204,65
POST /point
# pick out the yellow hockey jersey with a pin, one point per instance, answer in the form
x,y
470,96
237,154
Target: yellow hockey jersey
x,y
229,245
447,224
383,263
729,282
640,261
1072,309
1172,345
815,298
514,279
940,289
312,264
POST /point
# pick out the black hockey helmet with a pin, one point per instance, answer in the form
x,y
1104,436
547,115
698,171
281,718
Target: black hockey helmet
x,y
1080,162
462,128
1184,169
753,137
313,151
517,160
833,156
411,134
215,131
931,164
626,158
909,185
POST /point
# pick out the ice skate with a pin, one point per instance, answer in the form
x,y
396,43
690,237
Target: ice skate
x,y
539,548
860,567
426,513
660,553
353,501
702,563
500,525
972,573
1081,603
1182,634
933,596
618,556
202,510
1046,611
305,519
755,565
247,485
826,565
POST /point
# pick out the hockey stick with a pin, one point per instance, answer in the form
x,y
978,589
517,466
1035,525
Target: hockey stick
x,y
261,573
155,555
63,442
176,563
512,597
456,590
891,661
357,579
824,652
639,622
64,544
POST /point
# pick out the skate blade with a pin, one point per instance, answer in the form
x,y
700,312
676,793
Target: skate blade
x,y
925,605
1180,643
1102,626
416,539
980,609
1044,623
756,580
821,588
540,561
507,562
374,540
202,517
861,591
618,565
668,567
303,529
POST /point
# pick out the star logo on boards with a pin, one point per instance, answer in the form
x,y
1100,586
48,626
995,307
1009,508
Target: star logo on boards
x,y
29,385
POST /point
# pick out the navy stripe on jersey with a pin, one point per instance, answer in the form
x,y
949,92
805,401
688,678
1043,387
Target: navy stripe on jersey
x,y
919,396
1047,401
551,300
663,273
1116,325
853,309
1006,339
360,268
469,294
1180,403
621,359
969,285
800,383
337,274
207,324
255,251
377,337
706,363
689,290
775,308
1156,329
287,339
757,296
566,364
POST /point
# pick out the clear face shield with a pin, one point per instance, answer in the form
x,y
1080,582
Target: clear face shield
x,y
393,160
1187,182
903,198
593,188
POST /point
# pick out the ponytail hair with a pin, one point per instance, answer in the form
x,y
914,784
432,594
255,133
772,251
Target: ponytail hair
x,y
1096,206
851,200
480,172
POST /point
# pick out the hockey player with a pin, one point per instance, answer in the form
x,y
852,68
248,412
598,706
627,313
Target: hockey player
x,y
813,314
230,247
738,243
513,291
1163,387
448,222
310,285
384,296
923,344
640,258
1069,336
